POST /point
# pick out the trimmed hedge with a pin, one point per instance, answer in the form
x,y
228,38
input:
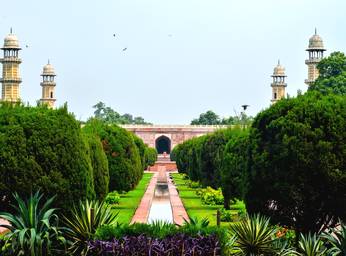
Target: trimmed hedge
x,y
124,162
99,164
43,149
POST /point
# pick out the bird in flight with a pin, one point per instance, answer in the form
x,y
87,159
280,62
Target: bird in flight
x,y
26,46
113,35
125,49
245,106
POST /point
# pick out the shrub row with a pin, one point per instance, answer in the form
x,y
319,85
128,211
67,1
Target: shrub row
x,y
44,149
290,164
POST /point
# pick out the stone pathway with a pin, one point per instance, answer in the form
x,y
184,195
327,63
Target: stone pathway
x,y
179,212
142,212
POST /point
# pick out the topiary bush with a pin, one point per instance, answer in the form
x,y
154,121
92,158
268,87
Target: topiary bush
x,y
298,162
150,156
99,164
124,163
43,149
112,198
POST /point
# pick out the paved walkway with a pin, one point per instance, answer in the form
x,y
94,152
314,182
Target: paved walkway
x,y
142,212
179,213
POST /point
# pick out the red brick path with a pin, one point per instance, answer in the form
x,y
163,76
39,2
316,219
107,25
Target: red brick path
x,y
142,212
178,210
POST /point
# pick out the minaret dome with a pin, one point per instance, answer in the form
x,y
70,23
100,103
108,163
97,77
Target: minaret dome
x,y
48,85
10,69
315,50
279,84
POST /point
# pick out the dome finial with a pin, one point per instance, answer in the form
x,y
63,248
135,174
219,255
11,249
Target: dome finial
x,y
278,61
315,31
11,30
48,62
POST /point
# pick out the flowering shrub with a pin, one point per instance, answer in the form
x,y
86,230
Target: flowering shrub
x,y
179,244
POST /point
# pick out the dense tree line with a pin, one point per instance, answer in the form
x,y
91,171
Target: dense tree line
x,y
211,118
47,150
290,164
110,116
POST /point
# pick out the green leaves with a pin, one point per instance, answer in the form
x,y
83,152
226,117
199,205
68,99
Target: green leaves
x,y
332,77
34,227
311,245
85,218
297,162
254,236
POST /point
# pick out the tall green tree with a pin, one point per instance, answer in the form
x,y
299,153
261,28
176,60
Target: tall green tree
x,y
235,166
298,162
99,164
124,162
332,76
43,149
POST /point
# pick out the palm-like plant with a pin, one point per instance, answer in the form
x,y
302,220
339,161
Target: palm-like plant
x,y
311,245
254,237
33,229
337,239
85,219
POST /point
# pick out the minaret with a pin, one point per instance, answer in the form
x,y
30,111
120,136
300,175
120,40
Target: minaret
x,y
278,85
315,51
48,85
10,69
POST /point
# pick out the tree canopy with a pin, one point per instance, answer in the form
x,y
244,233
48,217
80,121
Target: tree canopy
x,y
110,116
43,149
332,76
124,160
298,162
211,118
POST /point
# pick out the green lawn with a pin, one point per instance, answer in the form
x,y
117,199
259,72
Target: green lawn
x,y
130,201
193,203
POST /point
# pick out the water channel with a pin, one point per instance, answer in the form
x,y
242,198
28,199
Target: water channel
x,y
161,209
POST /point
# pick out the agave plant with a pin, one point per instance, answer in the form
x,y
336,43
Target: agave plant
x,y
85,218
34,228
254,236
337,239
195,222
311,245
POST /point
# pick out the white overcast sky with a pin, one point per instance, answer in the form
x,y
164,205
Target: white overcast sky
x,y
183,57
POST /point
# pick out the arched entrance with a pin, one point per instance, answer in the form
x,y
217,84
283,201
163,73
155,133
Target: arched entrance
x,y
163,144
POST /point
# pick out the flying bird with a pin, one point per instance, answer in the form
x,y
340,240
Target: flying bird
x,y
113,35
245,107
125,49
26,46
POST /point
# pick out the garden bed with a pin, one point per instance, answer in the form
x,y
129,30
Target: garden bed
x,y
194,205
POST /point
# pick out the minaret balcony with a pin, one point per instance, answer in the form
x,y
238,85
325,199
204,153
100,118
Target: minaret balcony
x,y
48,83
313,61
309,81
10,80
11,59
279,84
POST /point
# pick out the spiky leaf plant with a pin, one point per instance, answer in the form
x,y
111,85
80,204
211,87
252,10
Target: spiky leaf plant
x,y
34,228
85,219
311,245
254,237
337,239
